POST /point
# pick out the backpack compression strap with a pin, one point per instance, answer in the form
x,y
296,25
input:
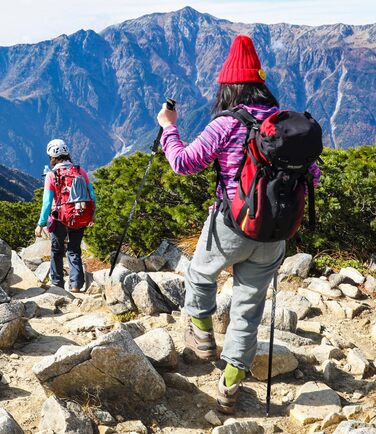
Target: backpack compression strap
x,y
311,201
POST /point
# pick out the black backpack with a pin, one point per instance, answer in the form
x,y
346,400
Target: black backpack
x,y
273,176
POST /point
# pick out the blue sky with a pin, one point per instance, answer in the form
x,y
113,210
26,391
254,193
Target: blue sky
x,y
27,21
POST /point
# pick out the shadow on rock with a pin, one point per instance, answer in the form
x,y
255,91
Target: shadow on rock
x,y
8,393
345,382
45,345
192,366
182,409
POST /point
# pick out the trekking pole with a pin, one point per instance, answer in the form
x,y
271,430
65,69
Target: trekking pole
x,y
270,361
171,106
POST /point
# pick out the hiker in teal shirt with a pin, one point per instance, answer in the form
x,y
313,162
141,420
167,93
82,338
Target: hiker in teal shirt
x,y
60,159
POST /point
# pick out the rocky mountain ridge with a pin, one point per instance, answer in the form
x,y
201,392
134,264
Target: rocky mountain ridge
x,y
101,92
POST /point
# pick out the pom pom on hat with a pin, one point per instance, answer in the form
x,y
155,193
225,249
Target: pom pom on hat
x,y
242,64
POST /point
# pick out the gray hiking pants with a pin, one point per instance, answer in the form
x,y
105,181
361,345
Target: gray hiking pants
x,y
254,264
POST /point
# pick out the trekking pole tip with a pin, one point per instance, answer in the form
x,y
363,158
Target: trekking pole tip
x,y
267,408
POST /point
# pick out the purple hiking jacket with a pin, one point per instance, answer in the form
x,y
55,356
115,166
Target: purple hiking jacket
x,y
222,139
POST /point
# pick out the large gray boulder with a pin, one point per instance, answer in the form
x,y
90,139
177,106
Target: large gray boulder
x,y
43,271
154,263
7,424
11,323
293,302
117,297
285,319
284,360
233,426
5,259
324,288
297,265
147,300
171,286
40,250
355,427
314,402
4,298
64,417
132,263
176,260
21,276
101,277
158,347
111,366
353,275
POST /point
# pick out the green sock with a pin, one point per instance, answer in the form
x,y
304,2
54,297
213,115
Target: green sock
x,y
233,375
204,324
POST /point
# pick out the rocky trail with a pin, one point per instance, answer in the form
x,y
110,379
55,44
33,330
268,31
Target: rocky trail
x,y
86,363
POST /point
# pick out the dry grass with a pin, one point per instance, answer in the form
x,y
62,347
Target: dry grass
x,y
92,264
91,401
188,244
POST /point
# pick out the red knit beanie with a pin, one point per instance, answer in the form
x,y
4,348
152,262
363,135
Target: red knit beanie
x,y
242,64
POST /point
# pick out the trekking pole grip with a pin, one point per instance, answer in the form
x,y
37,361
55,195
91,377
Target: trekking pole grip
x,y
170,106
171,103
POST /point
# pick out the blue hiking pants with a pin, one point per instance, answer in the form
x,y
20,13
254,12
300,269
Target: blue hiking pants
x,y
76,272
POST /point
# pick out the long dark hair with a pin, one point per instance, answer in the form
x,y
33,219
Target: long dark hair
x,y
231,95
60,159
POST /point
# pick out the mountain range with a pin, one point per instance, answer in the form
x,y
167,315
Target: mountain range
x,y
16,185
101,91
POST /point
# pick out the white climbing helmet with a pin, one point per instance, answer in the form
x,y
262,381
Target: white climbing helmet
x,y
57,147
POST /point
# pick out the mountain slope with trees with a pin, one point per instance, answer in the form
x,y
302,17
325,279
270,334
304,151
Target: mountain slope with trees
x,y
16,185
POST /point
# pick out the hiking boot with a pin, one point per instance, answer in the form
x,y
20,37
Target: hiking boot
x,y
200,342
75,290
227,396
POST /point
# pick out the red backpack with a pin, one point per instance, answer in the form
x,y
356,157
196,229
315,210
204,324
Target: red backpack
x,y
74,205
273,175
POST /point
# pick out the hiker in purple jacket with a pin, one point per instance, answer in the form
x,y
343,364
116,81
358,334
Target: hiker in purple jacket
x,y
254,263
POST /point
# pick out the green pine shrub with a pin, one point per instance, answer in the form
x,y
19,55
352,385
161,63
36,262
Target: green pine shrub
x,y
345,206
174,206
170,206
18,221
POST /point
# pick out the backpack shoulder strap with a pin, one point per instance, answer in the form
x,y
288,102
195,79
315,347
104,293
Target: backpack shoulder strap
x,y
242,116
